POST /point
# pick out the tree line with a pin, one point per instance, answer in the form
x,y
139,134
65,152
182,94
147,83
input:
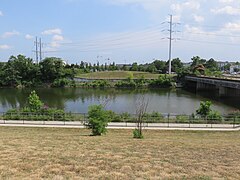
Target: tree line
x,y
24,72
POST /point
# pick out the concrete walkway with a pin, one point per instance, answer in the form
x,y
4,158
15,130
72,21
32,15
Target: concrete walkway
x,y
123,125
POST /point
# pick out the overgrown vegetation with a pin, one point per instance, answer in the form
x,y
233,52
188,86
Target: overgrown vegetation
x,y
36,110
98,119
21,71
206,112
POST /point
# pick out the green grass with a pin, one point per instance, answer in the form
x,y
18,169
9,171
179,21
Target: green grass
x,y
52,153
117,75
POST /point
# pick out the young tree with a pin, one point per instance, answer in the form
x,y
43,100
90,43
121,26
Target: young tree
x,y
98,120
204,109
34,102
141,108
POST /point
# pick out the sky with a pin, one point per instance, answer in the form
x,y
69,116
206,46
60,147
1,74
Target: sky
x,y
123,31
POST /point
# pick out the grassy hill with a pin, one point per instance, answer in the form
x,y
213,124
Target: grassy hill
x,y
117,75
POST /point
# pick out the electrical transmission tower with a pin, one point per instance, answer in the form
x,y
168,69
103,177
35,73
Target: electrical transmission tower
x,y
38,49
170,42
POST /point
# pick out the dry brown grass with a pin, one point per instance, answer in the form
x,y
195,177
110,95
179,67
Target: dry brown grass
x,y
48,153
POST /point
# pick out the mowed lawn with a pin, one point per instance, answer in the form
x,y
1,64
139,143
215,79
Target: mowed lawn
x,y
118,75
51,153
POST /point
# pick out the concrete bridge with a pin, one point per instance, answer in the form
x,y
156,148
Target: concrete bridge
x,y
224,86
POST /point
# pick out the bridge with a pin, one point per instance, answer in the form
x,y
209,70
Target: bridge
x,y
224,86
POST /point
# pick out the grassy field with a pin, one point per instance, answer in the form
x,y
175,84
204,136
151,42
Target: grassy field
x,y
48,153
117,75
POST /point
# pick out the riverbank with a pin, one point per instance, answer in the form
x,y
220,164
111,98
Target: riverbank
x,y
52,153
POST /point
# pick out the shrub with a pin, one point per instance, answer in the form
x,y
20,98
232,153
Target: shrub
x,y
98,119
137,134
125,84
34,103
161,82
61,82
214,116
204,109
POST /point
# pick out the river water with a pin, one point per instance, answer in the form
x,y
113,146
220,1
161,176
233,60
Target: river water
x,y
77,100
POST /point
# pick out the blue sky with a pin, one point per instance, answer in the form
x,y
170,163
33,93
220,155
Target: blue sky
x,y
123,31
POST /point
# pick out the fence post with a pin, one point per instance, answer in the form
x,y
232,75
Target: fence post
x,y
84,119
189,121
168,119
234,121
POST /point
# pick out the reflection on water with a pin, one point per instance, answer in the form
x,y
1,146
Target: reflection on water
x,y
78,99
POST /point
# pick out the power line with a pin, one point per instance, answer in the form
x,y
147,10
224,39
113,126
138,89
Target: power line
x,y
212,34
112,47
210,42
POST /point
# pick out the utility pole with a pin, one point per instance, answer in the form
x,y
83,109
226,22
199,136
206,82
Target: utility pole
x,y
170,45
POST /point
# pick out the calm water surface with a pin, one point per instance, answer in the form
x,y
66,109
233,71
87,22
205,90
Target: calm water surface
x,y
77,100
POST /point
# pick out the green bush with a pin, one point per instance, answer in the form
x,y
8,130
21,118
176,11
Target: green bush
x,y
137,134
204,109
98,119
34,102
61,82
214,116
125,84
182,118
161,82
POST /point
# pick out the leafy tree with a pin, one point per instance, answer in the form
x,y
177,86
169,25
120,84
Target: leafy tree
x,y
160,65
204,109
98,120
81,65
176,64
19,71
196,60
51,68
134,67
227,67
34,102
212,64
151,68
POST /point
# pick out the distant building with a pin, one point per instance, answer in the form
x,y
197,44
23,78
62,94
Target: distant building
x,y
122,65
234,67
222,64
188,64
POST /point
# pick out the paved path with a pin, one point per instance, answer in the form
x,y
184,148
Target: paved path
x,y
120,125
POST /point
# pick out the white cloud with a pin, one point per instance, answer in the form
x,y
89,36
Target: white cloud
x,y
28,37
4,47
52,31
232,26
179,7
10,34
226,10
225,1
54,44
1,13
193,29
57,38
198,19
